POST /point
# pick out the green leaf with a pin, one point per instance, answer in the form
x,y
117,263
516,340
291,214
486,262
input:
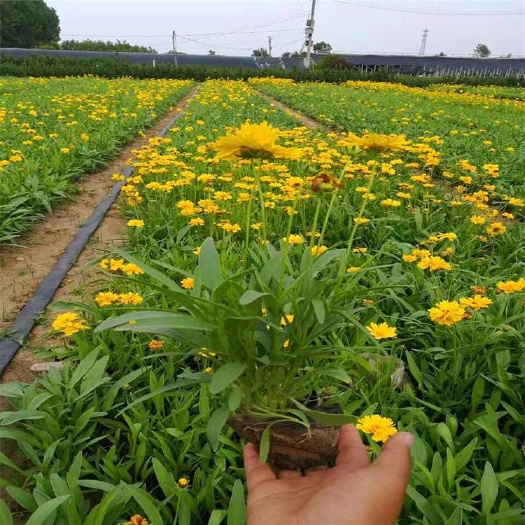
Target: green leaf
x,y
334,420
264,446
489,489
319,310
83,368
463,456
159,276
147,503
209,265
215,424
165,478
217,517
336,373
151,320
24,499
225,376
8,418
46,510
6,518
96,484
237,507
456,518
251,296
414,369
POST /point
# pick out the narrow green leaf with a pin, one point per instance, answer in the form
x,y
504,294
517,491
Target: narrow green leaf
x,y
414,369
489,489
463,456
251,296
83,368
319,310
237,507
165,478
6,518
23,498
46,510
324,418
147,504
215,424
217,517
225,376
209,265
264,446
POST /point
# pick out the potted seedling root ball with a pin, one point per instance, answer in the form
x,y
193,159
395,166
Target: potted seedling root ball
x,y
280,332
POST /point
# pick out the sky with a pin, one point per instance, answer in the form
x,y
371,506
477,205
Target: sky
x,y
236,27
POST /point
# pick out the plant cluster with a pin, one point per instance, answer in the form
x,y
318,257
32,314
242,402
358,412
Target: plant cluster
x,y
350,272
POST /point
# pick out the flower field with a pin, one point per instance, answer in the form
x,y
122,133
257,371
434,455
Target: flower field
x,y
53,131
271,268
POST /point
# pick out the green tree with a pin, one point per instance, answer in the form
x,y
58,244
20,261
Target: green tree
x,y
211,52
482,51
322,47
261,52
28,24
100,45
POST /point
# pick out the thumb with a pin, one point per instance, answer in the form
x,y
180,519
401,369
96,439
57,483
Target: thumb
x,y
394,460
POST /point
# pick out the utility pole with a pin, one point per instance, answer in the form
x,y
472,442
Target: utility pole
x,y
174,40
423,42
269,46
309,31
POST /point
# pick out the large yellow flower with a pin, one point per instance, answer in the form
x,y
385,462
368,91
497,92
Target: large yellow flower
x,y
253,141
376,141
381,428
447,313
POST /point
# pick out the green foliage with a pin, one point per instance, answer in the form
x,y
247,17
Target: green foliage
x,y
112,68
482,51
335,62
261,52
101,45
28,24
322,47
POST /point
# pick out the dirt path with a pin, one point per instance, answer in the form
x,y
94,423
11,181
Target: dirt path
x,y
22,268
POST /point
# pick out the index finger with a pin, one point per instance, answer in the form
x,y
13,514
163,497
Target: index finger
x,y
351,450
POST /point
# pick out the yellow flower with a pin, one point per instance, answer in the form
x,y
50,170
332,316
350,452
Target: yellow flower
x,y
253,141
409,258
381,331
197,222
318,250
376,141
391,203
183,482
293,239
137,520
509,287
477,302
155,344
447,313
208,370
434,263
84,137
106,298
478,219
288,319
130,298
381,428
64,151
496,228
137,223
353,269
188,283
69,323
361,220
132,269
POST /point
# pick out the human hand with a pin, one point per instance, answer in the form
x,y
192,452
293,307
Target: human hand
x,y
354,492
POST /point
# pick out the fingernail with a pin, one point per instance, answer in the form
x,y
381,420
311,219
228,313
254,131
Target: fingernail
x,y
408,438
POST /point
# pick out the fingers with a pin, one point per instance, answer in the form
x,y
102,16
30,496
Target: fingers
x,y
256,472
352,452
394,460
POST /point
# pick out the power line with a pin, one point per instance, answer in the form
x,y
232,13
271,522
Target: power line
x,y
414,11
